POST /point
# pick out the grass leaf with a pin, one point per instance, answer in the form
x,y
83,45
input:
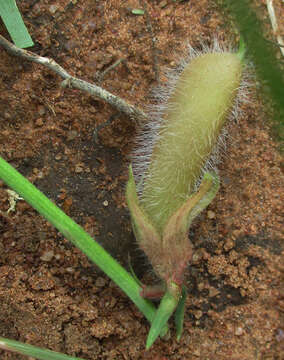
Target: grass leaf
x,y
13,21
34,351
76,235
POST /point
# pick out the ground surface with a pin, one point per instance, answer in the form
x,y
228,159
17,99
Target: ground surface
x,y
50,294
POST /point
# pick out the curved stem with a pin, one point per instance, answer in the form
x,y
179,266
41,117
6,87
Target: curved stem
x,y
77,236
165,310
179,314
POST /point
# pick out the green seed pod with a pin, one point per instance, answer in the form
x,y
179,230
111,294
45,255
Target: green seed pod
x,y
175,154
195,114
173,157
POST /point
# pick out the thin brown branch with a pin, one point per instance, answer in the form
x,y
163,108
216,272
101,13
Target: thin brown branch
x,y
72,81
100,76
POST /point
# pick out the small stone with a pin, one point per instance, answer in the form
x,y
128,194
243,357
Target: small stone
x,y
47,256
197,256
229,244
39,122
53,8
211,214
78,169
7,115
239,331
198,314
201,286
213,291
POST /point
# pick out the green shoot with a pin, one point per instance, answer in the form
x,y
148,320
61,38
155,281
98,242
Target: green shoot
x,y
34,351
13,21
263,54
179,314
76,235
164,312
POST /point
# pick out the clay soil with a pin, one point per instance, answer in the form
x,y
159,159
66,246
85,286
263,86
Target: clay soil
x,y
76,149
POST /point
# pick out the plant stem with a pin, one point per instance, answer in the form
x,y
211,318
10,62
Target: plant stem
x,y
165,310
179,314
74,82
34,351
76,235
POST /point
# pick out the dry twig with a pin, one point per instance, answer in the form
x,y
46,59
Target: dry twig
x,y
100,76
273,20
73,82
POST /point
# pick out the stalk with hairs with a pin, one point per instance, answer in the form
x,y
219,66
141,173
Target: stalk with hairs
x,y
174,179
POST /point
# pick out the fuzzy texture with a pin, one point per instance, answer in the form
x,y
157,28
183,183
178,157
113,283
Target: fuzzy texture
x,y
184,130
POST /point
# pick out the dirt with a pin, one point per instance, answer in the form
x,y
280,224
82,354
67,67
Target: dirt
x,y
50,294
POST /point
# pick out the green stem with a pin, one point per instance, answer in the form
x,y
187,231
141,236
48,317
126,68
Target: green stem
x,y
165,310
76,235
34,351
242,49
179,314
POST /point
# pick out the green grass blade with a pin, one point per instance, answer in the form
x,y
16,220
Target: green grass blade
x,y
34,351
13,21
76,235
263,54
179,314
164,312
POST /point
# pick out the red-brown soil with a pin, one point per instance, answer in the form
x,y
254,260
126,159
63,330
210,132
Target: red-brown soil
x,y
50,294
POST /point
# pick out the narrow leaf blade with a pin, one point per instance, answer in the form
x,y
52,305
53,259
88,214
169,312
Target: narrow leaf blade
x,y
179,314
164,312
34,351
14,23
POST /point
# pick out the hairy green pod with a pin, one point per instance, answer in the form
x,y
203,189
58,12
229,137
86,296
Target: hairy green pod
x,y
183,136
195,114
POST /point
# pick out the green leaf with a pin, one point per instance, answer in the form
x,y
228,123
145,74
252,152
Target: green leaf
x,y
164,312
181,220
264,55
76,235
137,11
13,21
34,351
179,314
145,233
203,197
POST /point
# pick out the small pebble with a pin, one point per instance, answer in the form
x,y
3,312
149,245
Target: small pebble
x,y
239,331
47,256
53,8
211,214
78,169
39,122
198,314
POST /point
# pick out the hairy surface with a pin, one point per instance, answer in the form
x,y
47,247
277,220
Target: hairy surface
x,y
183,138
